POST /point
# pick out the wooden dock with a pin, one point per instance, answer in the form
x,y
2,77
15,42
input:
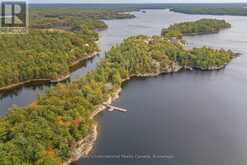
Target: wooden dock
x,y
112,108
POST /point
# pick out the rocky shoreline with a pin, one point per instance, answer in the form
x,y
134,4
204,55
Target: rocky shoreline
x,y
46,81
85,146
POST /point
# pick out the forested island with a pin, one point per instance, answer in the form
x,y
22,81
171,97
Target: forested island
x,y
57,40
202,26
235,11
48,131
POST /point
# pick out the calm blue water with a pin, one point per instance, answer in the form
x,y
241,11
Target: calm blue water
x,y
187,118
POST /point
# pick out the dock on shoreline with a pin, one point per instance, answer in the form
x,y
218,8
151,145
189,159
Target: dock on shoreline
x,y
112,108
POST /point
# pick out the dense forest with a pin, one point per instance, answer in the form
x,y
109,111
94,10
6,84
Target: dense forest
x,y
78,12
202,26
46,131
41,54
56,39
192,8
235,11
73,18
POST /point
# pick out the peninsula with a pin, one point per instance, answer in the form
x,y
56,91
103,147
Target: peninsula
x,y
57,41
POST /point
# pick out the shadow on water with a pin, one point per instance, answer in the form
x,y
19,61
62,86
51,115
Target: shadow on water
x,y
23,95
33,86
40,85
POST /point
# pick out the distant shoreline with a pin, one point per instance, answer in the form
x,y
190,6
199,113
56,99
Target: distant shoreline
x,y
72,67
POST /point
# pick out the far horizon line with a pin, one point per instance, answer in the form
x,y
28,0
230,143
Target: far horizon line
x,y
138,3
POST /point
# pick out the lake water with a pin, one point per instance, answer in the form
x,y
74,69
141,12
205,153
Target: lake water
x,y
187,118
